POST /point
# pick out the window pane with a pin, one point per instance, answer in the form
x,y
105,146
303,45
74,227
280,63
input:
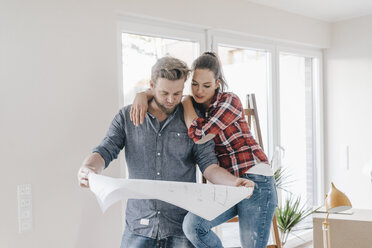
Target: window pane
x,y
247,71
296,123
140,54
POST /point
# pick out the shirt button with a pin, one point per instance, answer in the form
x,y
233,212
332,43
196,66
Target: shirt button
x,y
159,134
158,212
178,134
158,173
158,153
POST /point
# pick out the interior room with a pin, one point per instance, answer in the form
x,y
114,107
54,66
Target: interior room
x,y
67,67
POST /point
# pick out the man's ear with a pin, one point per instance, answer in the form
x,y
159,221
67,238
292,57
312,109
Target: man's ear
x,y
152,84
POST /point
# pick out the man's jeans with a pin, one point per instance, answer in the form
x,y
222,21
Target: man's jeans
x,y
131,240
255,217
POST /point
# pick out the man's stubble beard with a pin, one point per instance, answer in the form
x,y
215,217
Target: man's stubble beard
x,y
165,110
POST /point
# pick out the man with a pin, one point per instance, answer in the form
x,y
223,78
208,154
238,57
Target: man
x,y
159,149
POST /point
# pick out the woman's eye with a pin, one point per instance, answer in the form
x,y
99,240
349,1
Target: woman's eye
x,y
207,86
194,84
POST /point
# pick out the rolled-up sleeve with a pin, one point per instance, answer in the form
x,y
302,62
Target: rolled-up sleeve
x,y
205,155
114,140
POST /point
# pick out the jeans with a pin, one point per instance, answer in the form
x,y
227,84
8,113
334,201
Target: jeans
x,y
131,240
255,217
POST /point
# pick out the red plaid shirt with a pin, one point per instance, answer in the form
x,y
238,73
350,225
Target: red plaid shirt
x,y
236,148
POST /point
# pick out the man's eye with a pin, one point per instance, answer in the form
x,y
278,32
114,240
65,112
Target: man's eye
x,y
207,86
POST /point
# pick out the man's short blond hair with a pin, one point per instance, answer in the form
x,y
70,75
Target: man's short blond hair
x,y
169,68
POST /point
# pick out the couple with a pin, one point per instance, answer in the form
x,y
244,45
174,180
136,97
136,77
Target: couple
x,y
164,139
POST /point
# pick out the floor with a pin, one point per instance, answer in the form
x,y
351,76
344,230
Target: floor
x,y
307,245
229,233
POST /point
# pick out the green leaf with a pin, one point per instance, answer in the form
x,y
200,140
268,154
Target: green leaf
x,y
290,214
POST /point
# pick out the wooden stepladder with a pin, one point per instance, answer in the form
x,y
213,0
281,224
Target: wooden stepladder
x,y
254,124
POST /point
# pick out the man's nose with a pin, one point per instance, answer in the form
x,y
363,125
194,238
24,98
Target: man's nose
x,y
170,99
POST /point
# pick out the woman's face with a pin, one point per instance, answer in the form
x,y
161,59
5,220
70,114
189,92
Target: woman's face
x,y
203,86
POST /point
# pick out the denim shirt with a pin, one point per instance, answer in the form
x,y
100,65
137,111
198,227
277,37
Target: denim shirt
x,y
157,153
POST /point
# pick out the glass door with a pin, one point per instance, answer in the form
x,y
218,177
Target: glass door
x,y
297,123
298,130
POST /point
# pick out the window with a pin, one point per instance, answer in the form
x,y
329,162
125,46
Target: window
x,y
142,42
286,82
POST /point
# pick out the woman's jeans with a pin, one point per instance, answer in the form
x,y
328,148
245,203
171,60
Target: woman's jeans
x,y
255,217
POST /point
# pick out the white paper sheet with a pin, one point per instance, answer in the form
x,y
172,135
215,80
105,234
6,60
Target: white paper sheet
x,y
205,200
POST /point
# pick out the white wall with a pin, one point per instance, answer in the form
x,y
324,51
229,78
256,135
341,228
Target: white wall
x,y
237,15
348,115
59,91
58,94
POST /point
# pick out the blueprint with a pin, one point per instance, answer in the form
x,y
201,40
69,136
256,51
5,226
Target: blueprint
x,y
205,200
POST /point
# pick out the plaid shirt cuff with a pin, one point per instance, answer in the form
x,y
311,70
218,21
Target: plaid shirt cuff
x,y
196,126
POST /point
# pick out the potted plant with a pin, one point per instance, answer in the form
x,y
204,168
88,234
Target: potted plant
x,y
290,214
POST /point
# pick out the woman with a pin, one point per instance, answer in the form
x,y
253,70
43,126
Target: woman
x,y
215,114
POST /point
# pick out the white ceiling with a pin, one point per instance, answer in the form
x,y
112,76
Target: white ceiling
x,y
327,10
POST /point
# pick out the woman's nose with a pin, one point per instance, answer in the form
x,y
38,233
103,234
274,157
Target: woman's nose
x,y
200,90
